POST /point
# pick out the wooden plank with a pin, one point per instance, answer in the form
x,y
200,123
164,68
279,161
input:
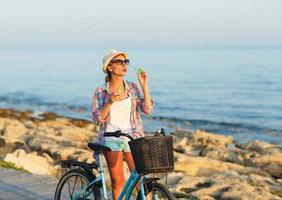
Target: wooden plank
x,y
16,185
24,186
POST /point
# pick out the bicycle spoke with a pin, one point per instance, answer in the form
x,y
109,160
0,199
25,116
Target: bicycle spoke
x,y
74,185
69,188
81,183
157,191
156,196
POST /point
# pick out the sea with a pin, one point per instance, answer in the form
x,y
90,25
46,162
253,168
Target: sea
x,y
228,91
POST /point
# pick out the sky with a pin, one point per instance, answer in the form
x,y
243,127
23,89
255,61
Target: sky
x,y
135,24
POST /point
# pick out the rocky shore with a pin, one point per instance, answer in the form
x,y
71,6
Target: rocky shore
x,y
207,166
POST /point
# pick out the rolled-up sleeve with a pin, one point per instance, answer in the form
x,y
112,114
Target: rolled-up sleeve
x,y
141,102
97,107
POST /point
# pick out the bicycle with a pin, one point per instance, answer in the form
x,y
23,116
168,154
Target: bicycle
x,y
91,186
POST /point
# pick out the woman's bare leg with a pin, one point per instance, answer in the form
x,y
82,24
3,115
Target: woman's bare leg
x,y
130,163
115,165
129,160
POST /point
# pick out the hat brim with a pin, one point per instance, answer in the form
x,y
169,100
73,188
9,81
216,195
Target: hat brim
x,y
105,65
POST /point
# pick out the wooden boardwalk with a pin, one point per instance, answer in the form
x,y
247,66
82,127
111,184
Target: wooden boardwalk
x,y
16,185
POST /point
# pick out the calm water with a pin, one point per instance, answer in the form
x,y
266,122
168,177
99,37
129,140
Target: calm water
x,y
235,92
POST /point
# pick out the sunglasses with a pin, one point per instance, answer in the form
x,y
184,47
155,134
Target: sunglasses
x,y
121,62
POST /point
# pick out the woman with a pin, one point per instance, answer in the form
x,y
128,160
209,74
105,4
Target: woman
x,y
116,106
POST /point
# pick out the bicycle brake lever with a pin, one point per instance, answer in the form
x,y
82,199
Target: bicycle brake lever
x,y
160,132
117,133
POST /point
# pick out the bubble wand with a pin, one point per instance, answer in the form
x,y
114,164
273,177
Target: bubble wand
x,y
138,71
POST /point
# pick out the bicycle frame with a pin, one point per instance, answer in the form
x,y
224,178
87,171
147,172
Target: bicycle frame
x,y
127,188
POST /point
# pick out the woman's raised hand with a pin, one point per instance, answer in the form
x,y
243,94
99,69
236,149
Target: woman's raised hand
x,y
143,78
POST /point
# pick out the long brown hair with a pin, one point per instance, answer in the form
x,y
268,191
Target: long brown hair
x,y
108,77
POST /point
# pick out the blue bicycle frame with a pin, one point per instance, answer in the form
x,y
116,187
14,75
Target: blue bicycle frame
x,y
127,188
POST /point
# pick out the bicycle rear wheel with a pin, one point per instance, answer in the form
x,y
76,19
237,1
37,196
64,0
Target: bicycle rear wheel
x,y
156,191
72,183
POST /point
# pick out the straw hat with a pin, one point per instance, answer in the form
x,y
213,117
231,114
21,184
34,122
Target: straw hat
x,y
107,58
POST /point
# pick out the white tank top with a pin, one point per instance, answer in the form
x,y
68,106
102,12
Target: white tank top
x,y
119,119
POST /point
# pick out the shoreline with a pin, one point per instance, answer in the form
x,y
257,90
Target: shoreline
x,y
241,132
206,164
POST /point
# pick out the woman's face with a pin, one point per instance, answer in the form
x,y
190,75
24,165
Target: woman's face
x,y
118,65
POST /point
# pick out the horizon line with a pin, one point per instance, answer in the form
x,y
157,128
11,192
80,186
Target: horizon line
x,y
168,47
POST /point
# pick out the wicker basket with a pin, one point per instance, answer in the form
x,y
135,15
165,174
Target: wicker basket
x,y
152,154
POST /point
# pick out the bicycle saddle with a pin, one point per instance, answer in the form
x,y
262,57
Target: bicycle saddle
x,y
98,148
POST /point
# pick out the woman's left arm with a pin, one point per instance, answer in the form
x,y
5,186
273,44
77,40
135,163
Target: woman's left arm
x,y
148,102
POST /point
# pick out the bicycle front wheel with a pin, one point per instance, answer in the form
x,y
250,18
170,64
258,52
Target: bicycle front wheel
x,y
156,191
71,185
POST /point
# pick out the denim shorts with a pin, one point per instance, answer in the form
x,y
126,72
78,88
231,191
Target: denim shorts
x,y
118,145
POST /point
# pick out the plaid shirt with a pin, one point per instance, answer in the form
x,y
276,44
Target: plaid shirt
x,y
101,97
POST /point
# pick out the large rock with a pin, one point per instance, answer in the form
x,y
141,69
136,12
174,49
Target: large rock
x,y
74,134
204,166
271,163
171,179
258,146
267,183
226,155
228,185
202,139
265,156
2,141
15,114
182,147
31,162
34,143
14,131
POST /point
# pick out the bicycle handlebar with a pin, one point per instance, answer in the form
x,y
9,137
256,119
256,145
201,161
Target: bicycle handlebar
x,y
119,133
